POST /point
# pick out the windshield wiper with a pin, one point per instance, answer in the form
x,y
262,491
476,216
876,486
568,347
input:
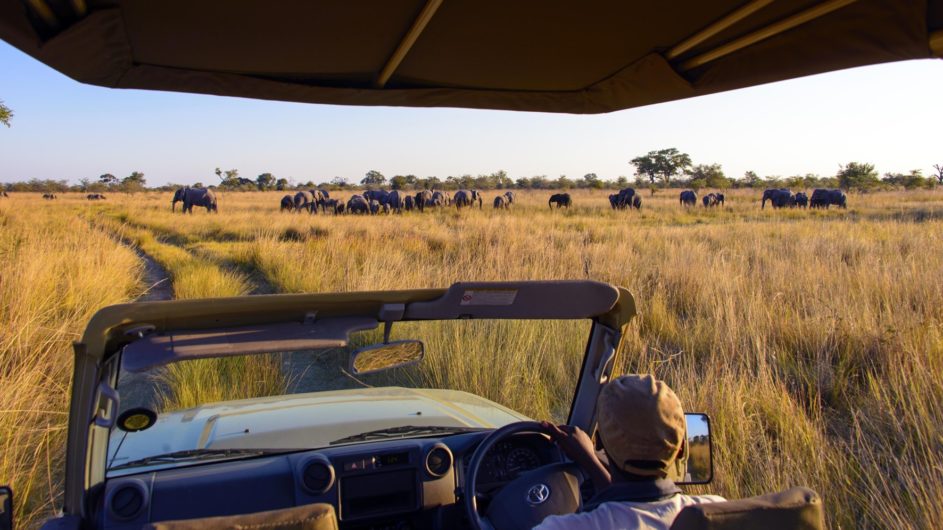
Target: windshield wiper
x,y
192,455
403,432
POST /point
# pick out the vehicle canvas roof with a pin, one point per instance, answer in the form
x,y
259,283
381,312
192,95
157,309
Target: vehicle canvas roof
x,y
586,57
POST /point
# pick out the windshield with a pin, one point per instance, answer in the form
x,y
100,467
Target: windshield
x,y
475,374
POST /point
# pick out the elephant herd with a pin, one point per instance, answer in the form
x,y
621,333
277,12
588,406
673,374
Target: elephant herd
x,y
821,198
374,202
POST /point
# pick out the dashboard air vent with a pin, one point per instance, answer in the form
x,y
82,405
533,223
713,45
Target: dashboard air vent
x,y
317,475
439,461
128,500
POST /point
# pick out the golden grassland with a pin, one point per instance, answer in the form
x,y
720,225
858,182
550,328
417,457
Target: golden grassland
x,y
814,339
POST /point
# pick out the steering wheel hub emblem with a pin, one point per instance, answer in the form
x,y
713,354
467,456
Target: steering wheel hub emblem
x,y
538,494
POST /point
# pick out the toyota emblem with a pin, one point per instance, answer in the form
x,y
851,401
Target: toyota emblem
x,y
538,494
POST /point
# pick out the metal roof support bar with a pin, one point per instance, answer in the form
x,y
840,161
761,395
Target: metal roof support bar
x,y
407,43
936,43
717,27
769,31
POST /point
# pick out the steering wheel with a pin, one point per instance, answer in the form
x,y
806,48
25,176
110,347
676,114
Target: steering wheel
x,y
553,489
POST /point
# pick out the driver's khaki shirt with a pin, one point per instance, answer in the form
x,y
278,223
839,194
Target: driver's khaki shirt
x,y
656,515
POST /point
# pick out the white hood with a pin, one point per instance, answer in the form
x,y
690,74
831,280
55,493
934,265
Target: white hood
x,y
304,421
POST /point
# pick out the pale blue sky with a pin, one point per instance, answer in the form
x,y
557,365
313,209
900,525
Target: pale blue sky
x,y
888,115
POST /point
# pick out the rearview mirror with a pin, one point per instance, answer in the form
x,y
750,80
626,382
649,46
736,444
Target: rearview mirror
x,y
379,357
6,508
700,467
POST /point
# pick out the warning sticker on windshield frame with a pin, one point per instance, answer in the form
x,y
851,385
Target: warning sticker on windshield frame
x,y
488,297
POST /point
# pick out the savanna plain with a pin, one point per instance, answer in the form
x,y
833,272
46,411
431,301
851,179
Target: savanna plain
x,y
814,339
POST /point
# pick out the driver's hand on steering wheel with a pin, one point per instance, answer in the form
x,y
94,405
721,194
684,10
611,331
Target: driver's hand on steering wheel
x,y
579,448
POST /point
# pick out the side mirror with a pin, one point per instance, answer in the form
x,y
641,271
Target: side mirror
x,y
379,357
700,466
6,508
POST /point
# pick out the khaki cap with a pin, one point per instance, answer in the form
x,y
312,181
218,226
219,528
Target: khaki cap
x,y
641,421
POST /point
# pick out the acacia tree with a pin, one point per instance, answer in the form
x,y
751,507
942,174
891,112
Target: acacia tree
x,y
5,114
662,164
939,172
373,178
857,175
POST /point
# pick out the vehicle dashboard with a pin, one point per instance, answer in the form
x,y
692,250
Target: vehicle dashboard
x,y
403,483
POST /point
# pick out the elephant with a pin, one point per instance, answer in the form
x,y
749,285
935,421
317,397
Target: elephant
x,y
4,194
385,208
710,200
194,197
317,200
409,203
509,195
637,202
395,200
822,198
625,199
381,196
802,200
423,198
467,198
720,198
49,196
374,207
501,202
95,197
333,205
287,204
304,200
688,198
441,198
560,199
358,204
779,198
325,193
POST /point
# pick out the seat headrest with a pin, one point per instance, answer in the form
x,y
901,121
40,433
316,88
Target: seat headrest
x,y
309,517
792,509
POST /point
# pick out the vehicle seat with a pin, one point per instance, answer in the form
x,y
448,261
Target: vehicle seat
x,y
309,517
792,509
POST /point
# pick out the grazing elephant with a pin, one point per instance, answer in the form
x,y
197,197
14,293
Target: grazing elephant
x,y
501,202
95,197
194,197
802,200
625,199
286,204
560,199
709,200
466,198
409,203
822,198
688,198
317,200
358,204
509,195
49,196
637,202
374,207
719,197
330,205
303,200
779,198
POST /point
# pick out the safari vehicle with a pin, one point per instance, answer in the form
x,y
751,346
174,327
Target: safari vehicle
x,y
401,447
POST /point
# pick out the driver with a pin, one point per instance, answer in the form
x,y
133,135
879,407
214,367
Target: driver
x,y
642,428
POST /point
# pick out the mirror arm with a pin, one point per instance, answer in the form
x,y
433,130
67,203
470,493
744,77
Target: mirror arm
x,y
388,314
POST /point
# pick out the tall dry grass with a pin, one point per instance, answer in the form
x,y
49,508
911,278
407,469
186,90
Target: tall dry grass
x,y
55,273
813,338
